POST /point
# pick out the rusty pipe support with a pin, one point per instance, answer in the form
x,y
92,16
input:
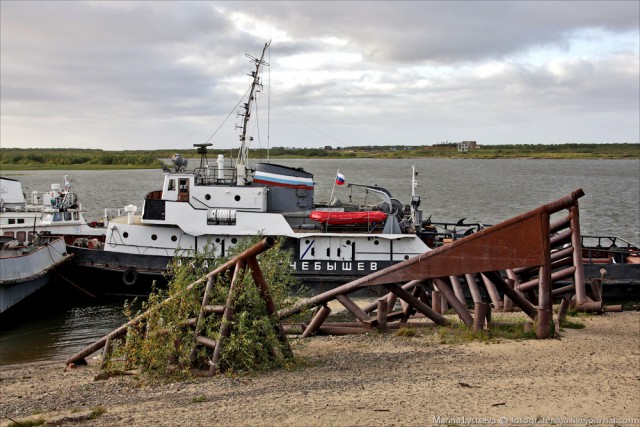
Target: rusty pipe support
x,y
354,309
590,307
207,342
473,287
560,239
227,316
563,290
596,289
381,313
576,242
452,299
201,314
391,297
417,304
317,321
480,315
544,320
555,256
564,307
515,296
555,276
436,301
560,224
492,291
263,287
457,288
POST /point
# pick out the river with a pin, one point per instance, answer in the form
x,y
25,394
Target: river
x,y
487,191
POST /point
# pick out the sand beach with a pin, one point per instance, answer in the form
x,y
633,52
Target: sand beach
x,y
585,377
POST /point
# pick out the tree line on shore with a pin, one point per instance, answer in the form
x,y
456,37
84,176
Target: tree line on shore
x,y
72,158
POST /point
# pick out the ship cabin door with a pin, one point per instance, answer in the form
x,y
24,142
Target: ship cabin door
x,y
183,189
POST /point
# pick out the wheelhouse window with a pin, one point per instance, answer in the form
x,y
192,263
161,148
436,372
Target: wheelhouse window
x,y
67,216
12,221
183,189
172,185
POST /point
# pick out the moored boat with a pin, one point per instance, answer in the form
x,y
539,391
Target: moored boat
x,y
219,203
57,211
25,267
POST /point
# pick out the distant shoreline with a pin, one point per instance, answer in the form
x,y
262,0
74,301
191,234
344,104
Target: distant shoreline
x,y
92,159
5,167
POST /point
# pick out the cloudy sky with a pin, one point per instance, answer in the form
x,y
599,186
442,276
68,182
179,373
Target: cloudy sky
x,y
146,75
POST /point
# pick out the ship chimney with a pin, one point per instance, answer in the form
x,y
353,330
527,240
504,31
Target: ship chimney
x,y
130,210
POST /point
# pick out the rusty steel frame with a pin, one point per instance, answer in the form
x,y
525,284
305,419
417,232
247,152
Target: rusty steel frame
x,y
521,258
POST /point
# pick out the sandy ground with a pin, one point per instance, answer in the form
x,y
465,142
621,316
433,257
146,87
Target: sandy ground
x,y
588,376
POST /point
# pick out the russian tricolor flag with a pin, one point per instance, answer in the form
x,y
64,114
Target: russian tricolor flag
x,y
340,179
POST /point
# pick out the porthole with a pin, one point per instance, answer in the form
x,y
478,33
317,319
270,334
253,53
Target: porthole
x,y
234,241
154,237
125,234
348,242
174,238
217,240
406,257
306,242
237,198
376,242
207,196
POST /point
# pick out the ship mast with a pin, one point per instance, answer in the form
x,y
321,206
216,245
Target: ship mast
x,y
243,154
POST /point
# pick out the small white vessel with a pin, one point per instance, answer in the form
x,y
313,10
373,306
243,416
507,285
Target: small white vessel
x,y
57,211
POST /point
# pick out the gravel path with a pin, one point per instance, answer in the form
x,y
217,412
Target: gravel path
x,y
384,380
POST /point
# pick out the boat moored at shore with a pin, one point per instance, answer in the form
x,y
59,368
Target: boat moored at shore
x,y
216,204
57,211
25,267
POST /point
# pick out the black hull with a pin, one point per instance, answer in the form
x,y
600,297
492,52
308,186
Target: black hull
x,y
317,275
621,282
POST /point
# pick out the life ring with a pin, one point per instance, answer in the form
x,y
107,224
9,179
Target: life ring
x,y
129,277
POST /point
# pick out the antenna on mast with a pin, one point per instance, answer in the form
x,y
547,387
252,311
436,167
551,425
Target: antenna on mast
x,y
243,153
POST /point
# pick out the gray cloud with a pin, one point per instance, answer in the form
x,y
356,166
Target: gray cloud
x,y
148,74
447,31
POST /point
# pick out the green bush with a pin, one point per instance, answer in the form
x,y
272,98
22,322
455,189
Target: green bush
x,y
162,346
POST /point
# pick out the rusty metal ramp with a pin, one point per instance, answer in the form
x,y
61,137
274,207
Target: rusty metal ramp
x,y
512,265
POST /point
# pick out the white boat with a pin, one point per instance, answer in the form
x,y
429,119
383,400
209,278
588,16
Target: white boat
x,y
220,203
25,267
57,211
